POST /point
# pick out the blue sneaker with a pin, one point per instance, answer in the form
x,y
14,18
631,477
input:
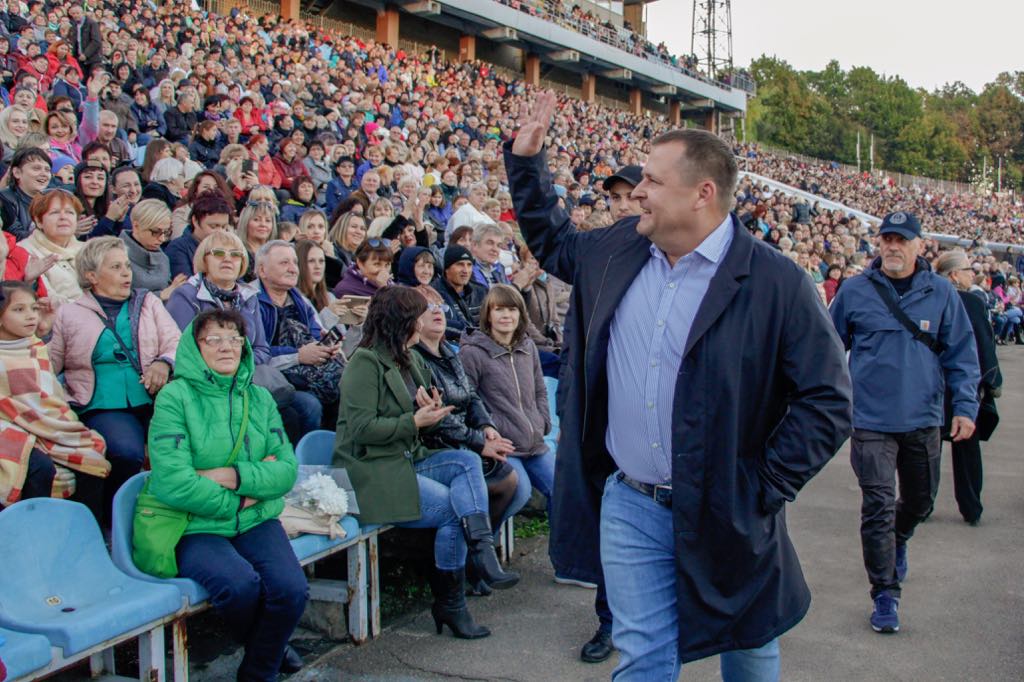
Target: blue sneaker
x,y
902,569
885,617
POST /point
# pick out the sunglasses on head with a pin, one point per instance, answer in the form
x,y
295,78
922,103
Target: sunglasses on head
x,y
377,243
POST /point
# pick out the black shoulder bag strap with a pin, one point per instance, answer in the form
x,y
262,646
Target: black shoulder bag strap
x,y
936,346
132,358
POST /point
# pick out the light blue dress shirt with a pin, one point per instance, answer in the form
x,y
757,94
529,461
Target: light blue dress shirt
x,y
648,334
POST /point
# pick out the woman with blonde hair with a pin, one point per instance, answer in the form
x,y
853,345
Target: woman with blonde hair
x,y
257,225
14,125
219,263
381,208
348,233
115,346
166,182
63,132
151,227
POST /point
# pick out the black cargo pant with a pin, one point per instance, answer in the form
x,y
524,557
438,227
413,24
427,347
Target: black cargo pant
x,y
886,521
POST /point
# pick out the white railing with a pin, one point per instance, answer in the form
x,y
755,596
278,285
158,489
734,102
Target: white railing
x,y
875,221
613,36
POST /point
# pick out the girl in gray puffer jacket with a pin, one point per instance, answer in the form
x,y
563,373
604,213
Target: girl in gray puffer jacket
x,y
503,364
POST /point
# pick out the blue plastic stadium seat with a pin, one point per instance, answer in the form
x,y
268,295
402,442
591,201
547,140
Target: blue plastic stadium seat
x,y
59,580
23,653
308,544
551,384
316,447
121,542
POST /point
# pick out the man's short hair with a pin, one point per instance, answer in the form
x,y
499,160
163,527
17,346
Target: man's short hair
x,y
482,230
705,155
265,250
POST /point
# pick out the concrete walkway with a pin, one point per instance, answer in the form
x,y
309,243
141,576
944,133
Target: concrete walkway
x,y
962,614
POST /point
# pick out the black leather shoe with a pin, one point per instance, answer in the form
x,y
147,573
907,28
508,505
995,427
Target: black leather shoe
x,y
598,649
292,661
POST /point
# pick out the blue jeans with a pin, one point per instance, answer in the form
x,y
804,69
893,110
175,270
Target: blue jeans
x,y
451,485
638,557
256,584
534,472
302,416
1013,317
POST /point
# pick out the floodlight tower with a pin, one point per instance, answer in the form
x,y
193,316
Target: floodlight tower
x,y
711,40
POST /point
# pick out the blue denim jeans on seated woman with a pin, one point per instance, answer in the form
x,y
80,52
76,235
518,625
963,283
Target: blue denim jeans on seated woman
x,y
451,485
258,587
534,472
638,558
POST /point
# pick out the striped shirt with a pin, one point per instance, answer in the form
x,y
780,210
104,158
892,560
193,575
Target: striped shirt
x,y
648,335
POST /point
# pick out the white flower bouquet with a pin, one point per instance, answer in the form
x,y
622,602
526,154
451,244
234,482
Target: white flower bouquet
x,y
320,494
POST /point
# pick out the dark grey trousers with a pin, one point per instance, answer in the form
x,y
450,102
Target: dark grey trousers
x,y
886,520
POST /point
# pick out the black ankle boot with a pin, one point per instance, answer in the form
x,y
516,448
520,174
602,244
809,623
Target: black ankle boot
x,y
480,541
449,607
475,585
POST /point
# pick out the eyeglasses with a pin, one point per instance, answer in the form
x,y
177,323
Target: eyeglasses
x,y
218,341
166,234
224,253
434,307
377,243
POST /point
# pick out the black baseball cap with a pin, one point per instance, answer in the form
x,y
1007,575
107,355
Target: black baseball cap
x,y
631,175
902,223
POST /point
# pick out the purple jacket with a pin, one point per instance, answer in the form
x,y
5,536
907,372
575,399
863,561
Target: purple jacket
x,y
355,283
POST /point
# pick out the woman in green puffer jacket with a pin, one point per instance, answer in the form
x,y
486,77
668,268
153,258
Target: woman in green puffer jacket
x,y
234,546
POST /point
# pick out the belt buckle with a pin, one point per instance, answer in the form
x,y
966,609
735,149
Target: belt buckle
x,y
663,494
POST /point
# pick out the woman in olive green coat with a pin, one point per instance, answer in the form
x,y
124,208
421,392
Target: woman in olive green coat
x,y
234,546
386,400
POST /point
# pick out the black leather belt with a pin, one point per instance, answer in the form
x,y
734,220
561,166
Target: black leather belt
x,y
662,494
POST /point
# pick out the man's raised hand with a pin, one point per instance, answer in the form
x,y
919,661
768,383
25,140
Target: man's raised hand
x,y
534,127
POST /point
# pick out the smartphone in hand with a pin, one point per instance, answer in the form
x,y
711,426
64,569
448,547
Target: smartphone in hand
x,y
332,336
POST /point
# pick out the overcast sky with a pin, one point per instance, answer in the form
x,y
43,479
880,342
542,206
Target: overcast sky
x,y
927,43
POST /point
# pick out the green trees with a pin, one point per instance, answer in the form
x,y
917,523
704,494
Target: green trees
x,y
950,133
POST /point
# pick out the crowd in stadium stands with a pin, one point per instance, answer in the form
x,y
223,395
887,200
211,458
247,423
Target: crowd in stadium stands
x,y
585,21
974,216
161,163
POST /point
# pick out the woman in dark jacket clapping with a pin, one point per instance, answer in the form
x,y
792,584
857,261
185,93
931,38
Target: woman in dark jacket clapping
x,y
387,405
469,426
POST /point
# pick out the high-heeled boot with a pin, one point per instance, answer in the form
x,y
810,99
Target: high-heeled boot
x,y
449,607
480,542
